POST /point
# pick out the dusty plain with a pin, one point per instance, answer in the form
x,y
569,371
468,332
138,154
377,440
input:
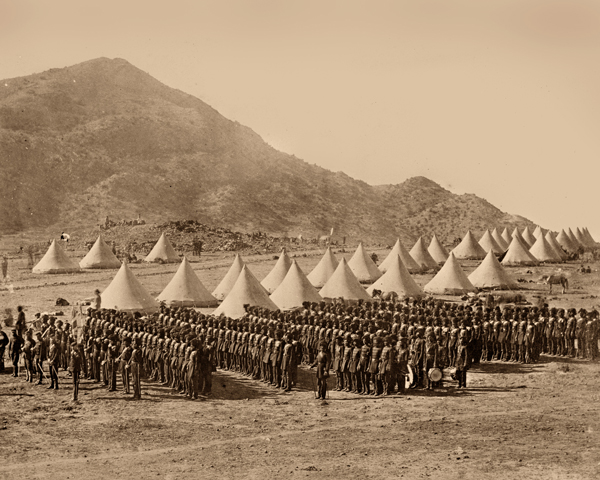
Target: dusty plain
x,y
513,421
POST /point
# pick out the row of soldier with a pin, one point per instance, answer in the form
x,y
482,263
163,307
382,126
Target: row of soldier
x,y
371,347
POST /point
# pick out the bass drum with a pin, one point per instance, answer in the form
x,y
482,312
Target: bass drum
x,y
411,377
434,374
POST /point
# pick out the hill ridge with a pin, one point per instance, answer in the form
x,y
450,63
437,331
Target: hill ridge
x,y
105,138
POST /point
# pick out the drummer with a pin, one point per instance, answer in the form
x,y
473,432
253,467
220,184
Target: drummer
x,y
442,358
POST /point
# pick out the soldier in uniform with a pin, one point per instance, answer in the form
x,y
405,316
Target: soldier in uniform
x,y
38,356
123,360
355,366
402,357
338,358
14,350
463,360
286,363
322,363
53,359
430,359
134,365
386,366
112,354
4,341
558,334
374,366
417,356
75,362
346,360
27,350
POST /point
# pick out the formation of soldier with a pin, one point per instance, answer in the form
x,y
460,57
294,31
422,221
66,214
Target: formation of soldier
x,y
372,348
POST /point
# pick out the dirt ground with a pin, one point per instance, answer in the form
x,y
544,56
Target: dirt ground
x,y
513,421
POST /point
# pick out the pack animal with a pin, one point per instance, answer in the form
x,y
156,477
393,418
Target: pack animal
x,y
387,296
556,280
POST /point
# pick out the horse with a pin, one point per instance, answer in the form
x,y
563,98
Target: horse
x,y
556,279
386,296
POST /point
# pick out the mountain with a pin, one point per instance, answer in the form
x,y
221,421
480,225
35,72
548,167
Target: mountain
x,y
103,138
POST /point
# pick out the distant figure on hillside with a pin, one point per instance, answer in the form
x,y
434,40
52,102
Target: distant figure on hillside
x,y
375,258
4,267
114,248
65,237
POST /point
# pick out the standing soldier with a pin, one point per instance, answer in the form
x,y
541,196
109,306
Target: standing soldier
x,y
286,363
430,359
463,360
38,357
53,359
14,350
338,358
134,365
28,346
402,362
75,362
322,364
569,333
374,366
4,341
112,353
363,365
549,333
354,366
123,360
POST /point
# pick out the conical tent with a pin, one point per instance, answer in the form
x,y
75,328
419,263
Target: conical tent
x,y
324,269
100,256
422,256
363,268
544,252
344,284
565,242
55,261
517,234
490,274
246,291
488,243
450,280
294,290
437,251
499,240
518,254
163,252
555,245
397,279
186,290
506,236
469,248
229,279
573,238
278,273
126,294
539,231
528,237
588,235
407,260
581,237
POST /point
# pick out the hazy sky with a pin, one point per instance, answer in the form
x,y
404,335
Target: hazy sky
x,y
497,98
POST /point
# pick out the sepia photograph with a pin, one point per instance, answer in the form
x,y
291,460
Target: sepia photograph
x,y
283,239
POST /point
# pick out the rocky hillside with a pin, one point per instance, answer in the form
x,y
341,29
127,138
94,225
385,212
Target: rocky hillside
x,y
102,138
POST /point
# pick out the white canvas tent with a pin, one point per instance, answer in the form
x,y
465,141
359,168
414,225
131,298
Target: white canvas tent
x,y
55,261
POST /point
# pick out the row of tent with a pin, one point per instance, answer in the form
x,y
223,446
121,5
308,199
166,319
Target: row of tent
x,y
530,249
286,287
100,256
525,248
